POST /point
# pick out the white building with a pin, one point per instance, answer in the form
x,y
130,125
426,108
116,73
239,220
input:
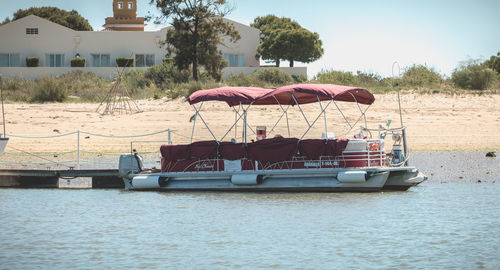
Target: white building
x,y
56,45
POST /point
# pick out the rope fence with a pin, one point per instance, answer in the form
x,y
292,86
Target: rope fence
x,y
79,156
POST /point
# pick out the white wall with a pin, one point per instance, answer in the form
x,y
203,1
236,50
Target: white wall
x,y
39,72
247,45
110,72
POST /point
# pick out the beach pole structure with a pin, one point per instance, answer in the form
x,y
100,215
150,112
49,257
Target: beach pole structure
x,y
3,112
403,129
78,150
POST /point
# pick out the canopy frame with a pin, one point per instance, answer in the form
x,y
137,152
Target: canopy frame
x,y
287,95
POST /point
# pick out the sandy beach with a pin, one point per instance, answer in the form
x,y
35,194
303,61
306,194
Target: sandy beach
x,y
435,123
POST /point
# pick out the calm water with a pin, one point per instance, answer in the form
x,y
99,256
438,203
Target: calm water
x,y
453,225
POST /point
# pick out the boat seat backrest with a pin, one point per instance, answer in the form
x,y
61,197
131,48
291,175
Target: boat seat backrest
x,y
273,150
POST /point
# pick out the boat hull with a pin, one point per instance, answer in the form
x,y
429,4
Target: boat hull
x,y
265,181
3,144
404,179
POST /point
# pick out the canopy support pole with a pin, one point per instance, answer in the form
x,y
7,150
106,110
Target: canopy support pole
x,y
235,122
362,113
317,117
251,129
287,125
285,112
245,129
347,121
194,121
324,116
305,118
359,118
209,130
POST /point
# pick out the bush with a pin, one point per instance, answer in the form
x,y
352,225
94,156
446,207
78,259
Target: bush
x,y
135,79
336,77
273,76
125,61
494,63
368,79
165,75
86,85
420,75
473,75
32,61
78,62
300,79
241,79
168,60
49,89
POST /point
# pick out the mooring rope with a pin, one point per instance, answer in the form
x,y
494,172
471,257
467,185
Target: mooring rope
x,y
89,133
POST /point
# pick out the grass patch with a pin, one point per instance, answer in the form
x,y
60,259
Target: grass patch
x,y
166,81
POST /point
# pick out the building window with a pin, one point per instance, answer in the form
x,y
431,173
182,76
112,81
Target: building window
x,y
144,60
120,5
54,60
31,31
101,60
130,5
10,60
235,60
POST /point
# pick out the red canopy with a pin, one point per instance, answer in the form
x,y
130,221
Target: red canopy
x,y
303,93
309,93
231,94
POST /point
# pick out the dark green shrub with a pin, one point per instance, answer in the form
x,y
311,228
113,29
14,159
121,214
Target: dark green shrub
x,y
49,89
473,75
168,60
32,61
274,76
300,78
420,75
78,62
125,61
164,75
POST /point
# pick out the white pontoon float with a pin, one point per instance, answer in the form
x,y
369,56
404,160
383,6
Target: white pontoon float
x,y
279,164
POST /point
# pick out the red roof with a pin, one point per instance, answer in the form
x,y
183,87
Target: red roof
x,y
303,93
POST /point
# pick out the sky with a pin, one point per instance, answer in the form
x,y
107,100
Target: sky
x,y
364,35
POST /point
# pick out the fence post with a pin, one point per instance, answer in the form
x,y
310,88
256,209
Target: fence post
x,y
169,136
78,151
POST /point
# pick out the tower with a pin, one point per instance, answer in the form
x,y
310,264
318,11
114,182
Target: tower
x,y
124,17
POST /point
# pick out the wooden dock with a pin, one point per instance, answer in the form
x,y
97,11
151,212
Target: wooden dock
x,y
60,179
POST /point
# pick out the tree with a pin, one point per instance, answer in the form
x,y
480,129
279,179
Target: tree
x,y
71,19
284,39
198,29
7,20
494,63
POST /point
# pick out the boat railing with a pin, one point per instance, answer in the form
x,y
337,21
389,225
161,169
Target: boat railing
x,y
372,155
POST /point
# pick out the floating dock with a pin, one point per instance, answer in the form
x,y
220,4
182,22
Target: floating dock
x,y
60,179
